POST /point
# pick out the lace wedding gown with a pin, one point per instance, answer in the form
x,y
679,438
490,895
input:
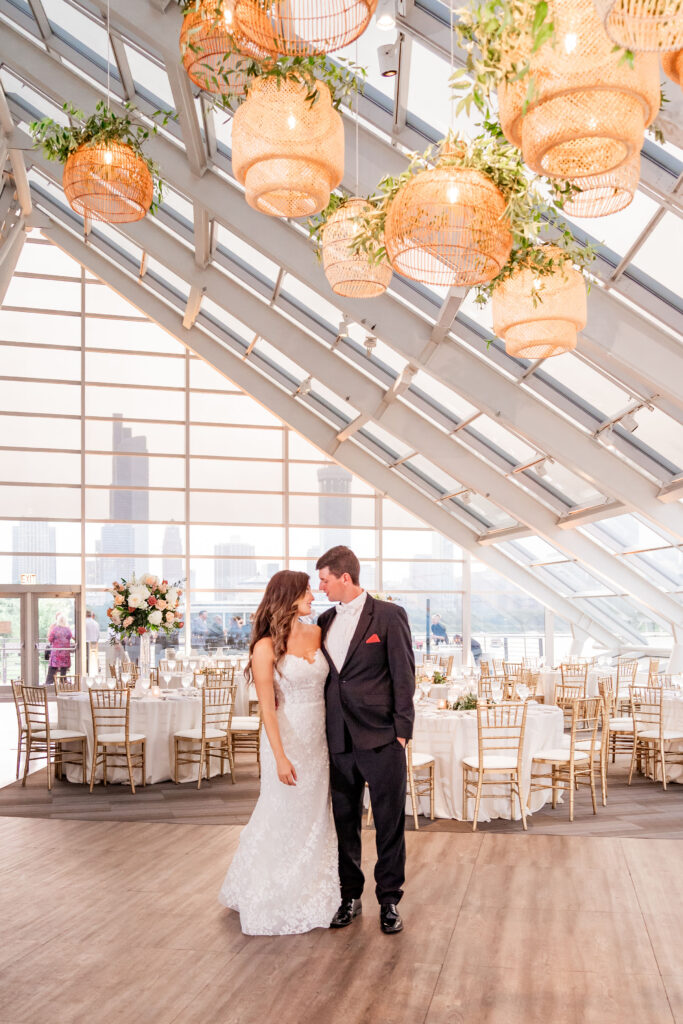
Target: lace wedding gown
x,y
284,877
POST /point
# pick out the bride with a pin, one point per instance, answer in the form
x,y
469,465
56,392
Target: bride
x,y
284,876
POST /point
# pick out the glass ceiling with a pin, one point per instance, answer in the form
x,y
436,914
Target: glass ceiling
x,y
498,444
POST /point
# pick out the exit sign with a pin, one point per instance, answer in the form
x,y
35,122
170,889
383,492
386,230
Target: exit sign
x,y
28,577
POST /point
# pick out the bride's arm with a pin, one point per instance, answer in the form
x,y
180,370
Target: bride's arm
x,y
262,664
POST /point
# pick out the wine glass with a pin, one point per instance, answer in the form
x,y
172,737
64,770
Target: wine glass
x,y
523,691
125,674
90,682
496,693
145,683
186,680
111,683
167,677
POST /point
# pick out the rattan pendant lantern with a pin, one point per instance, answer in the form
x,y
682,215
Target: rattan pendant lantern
x,y
350,273
298,28
213,50
446,226
538,317
109,183
655,25
673,66
590,108
287,152
604,194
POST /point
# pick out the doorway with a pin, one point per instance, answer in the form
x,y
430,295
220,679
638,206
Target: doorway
x,y
28,617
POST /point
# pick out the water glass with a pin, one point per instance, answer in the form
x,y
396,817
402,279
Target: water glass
x,y
186,680
111,683
125,675
145,683
167,676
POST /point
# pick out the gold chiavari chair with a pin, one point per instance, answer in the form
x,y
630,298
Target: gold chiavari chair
x,y
485,667
220,676
448,667
213,738
499,668
245,734
566,694
653,668
44,741
22,730
627,669
500,729
112,672
418,785
512,672
66,684
485,688
110,710
565,768
619,729
574,674
531,678
649,735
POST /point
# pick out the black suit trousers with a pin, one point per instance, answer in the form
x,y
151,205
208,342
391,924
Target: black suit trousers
x,y
384,770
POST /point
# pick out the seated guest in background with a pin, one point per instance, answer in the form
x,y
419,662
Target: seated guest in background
x,y
216,634
200,630
439,630
476,651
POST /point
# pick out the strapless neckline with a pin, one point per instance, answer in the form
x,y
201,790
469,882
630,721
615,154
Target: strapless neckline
x,y
302,657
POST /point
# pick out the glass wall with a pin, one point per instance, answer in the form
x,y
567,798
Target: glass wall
x,y
123,452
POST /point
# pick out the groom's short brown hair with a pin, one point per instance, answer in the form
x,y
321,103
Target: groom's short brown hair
x,y
339,560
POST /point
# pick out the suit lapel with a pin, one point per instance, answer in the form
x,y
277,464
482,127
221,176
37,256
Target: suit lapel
x,y
325,621
364,621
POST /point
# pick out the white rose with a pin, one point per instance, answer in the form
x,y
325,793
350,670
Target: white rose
x,y
116,616
155,618
140,593
172,596
133,601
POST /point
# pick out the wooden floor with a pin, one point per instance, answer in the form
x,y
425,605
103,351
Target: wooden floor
x,y
119,921
643,809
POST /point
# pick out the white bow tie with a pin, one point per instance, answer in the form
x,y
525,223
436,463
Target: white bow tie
x,y
344,609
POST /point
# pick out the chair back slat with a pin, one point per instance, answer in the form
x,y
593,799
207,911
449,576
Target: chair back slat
x,y
110,710
586,717
36,715
218,703
607,693
566,693
646,708
220,676
19,702
500,729
67,684
626,671
574,674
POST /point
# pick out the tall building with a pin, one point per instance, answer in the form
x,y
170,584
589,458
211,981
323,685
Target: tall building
x,y
119,537
40,537
172,568
334,512
235,564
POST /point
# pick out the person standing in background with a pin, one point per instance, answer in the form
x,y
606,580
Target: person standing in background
x,y
59,639
92,639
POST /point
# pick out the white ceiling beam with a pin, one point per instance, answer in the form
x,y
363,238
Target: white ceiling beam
x,y
320,434
590,514
202,236
502,534
469,375
194,304
444,321
673,491
15,155
187,115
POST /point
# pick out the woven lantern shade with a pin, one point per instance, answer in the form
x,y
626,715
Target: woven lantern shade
x,y
108,182
298,28
446,226
351,274
549,327
213,48
287,153
673,66
607,193
590,109
655,25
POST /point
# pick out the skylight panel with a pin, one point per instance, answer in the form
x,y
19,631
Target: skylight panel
x,y
659,255
149,77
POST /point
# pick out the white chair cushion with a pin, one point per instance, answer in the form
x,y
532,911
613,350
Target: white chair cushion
x,y
60,734
196,734
119,737
580,744
559,754
245,723
621,725
422,760
493,761
653,734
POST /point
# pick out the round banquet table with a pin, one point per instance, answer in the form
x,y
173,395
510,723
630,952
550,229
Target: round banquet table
x,y
242,697
672,714
156,718
449,736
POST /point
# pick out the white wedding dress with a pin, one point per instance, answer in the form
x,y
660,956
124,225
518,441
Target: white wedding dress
x,y
284,877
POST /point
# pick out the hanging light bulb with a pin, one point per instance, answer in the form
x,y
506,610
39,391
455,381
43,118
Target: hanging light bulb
x,y
386,15
107,156
291,122
570,41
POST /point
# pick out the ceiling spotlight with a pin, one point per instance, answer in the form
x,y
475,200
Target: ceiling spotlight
x,y
305,386
343,329
542,467
388,59
629,422
385,18
370,343
466,497
607,437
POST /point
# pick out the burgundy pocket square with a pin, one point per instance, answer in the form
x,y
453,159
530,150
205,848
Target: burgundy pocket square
x,y
374,639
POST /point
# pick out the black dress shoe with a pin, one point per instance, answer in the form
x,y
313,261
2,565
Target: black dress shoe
x,y
348,909
389,919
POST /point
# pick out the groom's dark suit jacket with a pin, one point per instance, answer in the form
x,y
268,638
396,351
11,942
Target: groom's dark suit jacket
x,y
373,693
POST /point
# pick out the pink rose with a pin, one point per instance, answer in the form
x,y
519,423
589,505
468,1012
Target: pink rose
x,y
118,599
170,616
163,587
128,621
161,604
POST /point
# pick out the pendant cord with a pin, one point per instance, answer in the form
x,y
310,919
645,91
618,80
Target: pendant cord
x,y
357,132
452,113
108,59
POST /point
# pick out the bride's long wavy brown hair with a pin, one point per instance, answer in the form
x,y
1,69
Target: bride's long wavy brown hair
x,y
276,613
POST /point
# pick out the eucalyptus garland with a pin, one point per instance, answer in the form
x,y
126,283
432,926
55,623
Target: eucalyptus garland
x,y
58,141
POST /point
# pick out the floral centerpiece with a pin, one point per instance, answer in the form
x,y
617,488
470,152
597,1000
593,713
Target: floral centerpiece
x,y
142,607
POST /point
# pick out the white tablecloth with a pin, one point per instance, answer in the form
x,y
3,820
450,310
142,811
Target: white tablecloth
x,y
158,720
449,736
242,697
440,651
672,712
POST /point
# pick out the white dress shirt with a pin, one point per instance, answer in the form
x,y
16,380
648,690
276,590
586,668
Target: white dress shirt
x,y
342,628
92,630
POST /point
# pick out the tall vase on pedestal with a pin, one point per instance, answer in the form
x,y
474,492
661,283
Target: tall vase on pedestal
x,y
145,656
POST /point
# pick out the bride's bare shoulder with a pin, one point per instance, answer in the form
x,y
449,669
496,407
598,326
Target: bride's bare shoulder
x,y
263,649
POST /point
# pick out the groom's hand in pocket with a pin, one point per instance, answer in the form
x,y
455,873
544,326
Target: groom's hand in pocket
x,y
401,741
286,772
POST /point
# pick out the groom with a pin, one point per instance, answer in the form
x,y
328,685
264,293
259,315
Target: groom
x,y
369,706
